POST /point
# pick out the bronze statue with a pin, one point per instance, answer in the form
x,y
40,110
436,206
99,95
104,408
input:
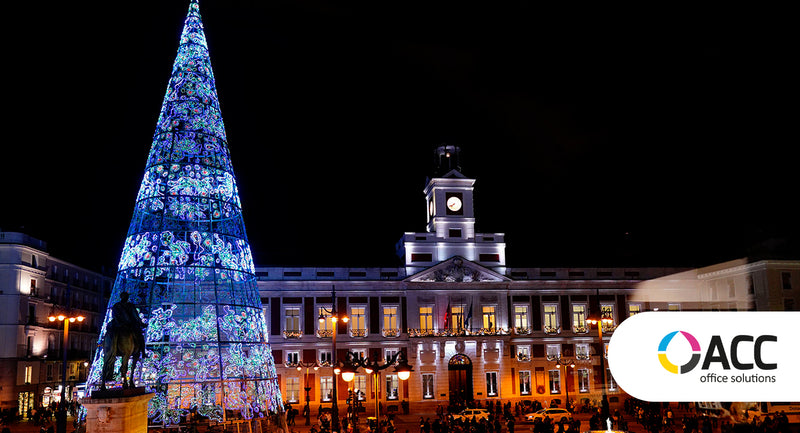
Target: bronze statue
x,y
125,338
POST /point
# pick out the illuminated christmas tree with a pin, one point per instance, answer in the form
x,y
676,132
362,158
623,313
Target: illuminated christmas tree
x,y
186,261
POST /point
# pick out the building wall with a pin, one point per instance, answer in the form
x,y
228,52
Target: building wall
x,y
34,285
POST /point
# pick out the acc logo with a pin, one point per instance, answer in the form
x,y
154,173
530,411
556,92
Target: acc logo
x,y
685,368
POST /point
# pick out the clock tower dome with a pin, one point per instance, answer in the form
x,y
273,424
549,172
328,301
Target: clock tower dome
x,y
450,220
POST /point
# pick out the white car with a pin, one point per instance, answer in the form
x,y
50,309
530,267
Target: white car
x,y
555,414
468,414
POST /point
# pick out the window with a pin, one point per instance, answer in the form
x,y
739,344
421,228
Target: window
x,y
583,380
634,309
292,320
292,359
327,325
521,319
612,384
674,307
607,312
454,233
553,352
28,374
390,325
293,389
326,388
579,318
488,317
392,387
421,257
426,318
358,322
491,384
786,280
582,351
523,353
427,386
525,382
388,354
551,318
555,381
360,386
457,314
731,289
359,353
325,358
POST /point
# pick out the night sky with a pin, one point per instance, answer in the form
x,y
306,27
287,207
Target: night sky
x,y
635,136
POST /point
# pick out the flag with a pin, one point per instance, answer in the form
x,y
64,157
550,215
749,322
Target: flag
x,y
469,317
447,316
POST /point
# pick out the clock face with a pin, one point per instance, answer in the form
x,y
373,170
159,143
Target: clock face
x,y
454,204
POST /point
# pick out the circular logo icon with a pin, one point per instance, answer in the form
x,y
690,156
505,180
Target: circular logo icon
x,y
685,368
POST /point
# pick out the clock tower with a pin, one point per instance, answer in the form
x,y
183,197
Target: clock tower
x,y
450,220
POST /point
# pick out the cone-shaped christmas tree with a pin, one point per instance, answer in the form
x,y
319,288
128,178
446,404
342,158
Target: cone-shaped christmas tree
x,y
186,261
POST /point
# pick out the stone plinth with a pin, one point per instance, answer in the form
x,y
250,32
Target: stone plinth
x,y
117,411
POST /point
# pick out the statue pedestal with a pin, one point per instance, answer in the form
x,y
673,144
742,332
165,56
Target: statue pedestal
x,y
117,411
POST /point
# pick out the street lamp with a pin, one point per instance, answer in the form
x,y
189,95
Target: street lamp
x,y
564,363
403,370
61,419
334,315
307,365
600,322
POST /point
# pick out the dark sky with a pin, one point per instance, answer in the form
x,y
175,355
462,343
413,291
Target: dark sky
x,y
635,136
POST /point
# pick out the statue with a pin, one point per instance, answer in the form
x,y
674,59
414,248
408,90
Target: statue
x,y
125,338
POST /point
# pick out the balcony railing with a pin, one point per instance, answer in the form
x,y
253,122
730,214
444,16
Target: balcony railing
x,y
391,333
324,333
580,329
551,329
292,333
418,333
360,333
523,357
518,330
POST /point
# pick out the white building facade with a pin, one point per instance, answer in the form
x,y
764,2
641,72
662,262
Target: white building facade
x,y
34,285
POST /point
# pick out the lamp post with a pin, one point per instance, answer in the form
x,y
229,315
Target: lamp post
x,y
307,365
334,315
353,362
564,363
61,418
600,322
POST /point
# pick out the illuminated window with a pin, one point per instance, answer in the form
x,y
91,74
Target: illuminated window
x,y
426,318
326,326
326,388
634,309
551,318
292,358
28,374
358,322
457,315
555,381
292,319
488,317
583,380
553,351
360,386
392,387
579,318
612,384
293,389
325,357
582,351
523,353
427,386
525,382
391,327
491,384
521,317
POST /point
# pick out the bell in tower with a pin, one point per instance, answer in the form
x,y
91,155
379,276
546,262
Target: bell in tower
x,y
447,158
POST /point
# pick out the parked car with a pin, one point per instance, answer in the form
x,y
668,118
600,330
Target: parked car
x,y
555,414
468,414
